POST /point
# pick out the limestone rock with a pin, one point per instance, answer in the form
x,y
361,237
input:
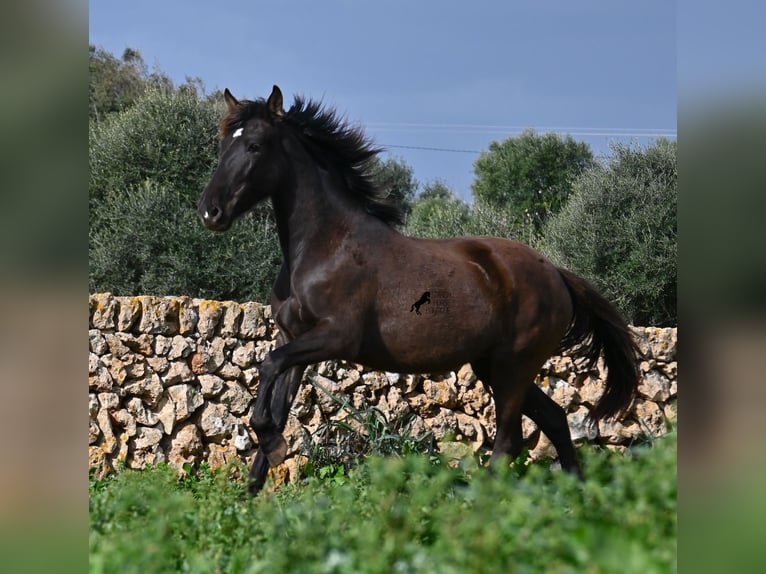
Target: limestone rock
x,y
591,391
580,426
443,392
465,376
211,385
231,317
101,379
115,345
252,324
104,422
180,347
216,422
149,388
93,405
241,438
208,358
442,423
236,397
220,455
230,372
129,313
244,355
263,348
654,386
474,398
159,315
187,316
165,413
564,394
126,421
142,415
375,380
209,317
470,430
141,457
179,372
185,446
159,365
103,308
146,437
651,417
303,402
141,344
162,345
96,342
186,398
325,390
93,432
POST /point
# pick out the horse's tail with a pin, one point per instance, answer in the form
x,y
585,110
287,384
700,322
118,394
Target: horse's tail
x,y
597,326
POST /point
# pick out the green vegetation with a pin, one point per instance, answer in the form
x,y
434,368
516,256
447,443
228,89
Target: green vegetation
x,y
406,514
152,149
531,175
618,229
151,241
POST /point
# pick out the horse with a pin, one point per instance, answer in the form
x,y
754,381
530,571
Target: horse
x,y
348,279
424,299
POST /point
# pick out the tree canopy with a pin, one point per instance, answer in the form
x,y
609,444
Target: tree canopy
x,y
530,175
619,230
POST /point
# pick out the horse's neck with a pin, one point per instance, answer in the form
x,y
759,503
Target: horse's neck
x,y
312,215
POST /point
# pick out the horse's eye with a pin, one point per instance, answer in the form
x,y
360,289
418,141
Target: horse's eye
x,y
253,147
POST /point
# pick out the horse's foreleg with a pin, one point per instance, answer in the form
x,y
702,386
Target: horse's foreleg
x,y
324,341
284,391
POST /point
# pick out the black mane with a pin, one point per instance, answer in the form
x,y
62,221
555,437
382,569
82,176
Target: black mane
x,y
347,146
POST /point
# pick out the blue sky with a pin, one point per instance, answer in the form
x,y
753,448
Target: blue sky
x,y
450,75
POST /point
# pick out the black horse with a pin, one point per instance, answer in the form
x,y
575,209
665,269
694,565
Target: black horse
x,y
425,298
345,286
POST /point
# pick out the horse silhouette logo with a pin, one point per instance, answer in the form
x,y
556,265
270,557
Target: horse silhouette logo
x,y
424,298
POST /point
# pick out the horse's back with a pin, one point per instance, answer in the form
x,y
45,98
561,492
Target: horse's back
x,y
482,292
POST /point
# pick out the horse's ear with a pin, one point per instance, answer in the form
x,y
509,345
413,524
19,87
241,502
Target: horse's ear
x,y
231,101
274,102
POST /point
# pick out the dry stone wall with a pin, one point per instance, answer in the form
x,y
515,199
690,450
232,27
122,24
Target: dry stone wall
x,y
172,379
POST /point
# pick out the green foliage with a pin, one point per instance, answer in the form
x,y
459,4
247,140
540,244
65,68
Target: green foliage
x,y
619,230
410,514
115,84
530,176
168,138
151,241
396,178
438,212
437,215
342,444
148,166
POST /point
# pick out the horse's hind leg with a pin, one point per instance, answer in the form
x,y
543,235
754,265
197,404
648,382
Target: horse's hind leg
x,y
509,380
552,420
285,389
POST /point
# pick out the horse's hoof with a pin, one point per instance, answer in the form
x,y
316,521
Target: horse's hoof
x,y
277,450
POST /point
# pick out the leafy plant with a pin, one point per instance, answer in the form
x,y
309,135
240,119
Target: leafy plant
x,y
531,175
151,241
619,230
344,443
397,514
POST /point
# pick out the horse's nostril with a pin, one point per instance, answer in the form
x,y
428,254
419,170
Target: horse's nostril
x,y
212,213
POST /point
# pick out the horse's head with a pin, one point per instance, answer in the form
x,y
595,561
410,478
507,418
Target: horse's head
x,y
250,162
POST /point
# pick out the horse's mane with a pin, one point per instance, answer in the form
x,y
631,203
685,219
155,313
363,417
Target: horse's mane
x,y
345,145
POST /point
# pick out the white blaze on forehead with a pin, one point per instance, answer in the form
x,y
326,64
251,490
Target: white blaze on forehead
x,y
237,133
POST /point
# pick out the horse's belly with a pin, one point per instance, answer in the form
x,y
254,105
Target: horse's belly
x,y
420,347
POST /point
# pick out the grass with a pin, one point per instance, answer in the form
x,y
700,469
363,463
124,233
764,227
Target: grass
x,y
414,513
